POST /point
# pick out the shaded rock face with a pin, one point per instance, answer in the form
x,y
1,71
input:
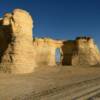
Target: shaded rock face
x,y
18,53
69,49
5,38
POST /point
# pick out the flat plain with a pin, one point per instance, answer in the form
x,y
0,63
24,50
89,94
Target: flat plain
x,y
52,83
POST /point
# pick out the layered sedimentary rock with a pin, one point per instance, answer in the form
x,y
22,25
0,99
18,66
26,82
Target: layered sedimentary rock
x,y
5,38
88,52
19,54
81,51
68,49
45,50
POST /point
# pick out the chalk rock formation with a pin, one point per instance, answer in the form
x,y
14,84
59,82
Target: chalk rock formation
x,y
45,50
82,51
20,50
20,53
68,50
87,52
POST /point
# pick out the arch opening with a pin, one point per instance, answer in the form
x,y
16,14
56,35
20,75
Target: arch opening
x,y
58,56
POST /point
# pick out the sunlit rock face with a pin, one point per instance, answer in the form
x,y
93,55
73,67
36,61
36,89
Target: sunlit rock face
x,y
45,50
19,54
81,51
87,52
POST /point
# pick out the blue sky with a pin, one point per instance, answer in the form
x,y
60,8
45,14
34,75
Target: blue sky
x,y
60,19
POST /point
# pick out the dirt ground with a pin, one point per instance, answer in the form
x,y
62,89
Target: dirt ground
x,y
12,86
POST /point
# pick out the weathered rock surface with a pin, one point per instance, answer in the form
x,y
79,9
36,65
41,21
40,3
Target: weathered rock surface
x,y
88,52
20,53
82,51
45,50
